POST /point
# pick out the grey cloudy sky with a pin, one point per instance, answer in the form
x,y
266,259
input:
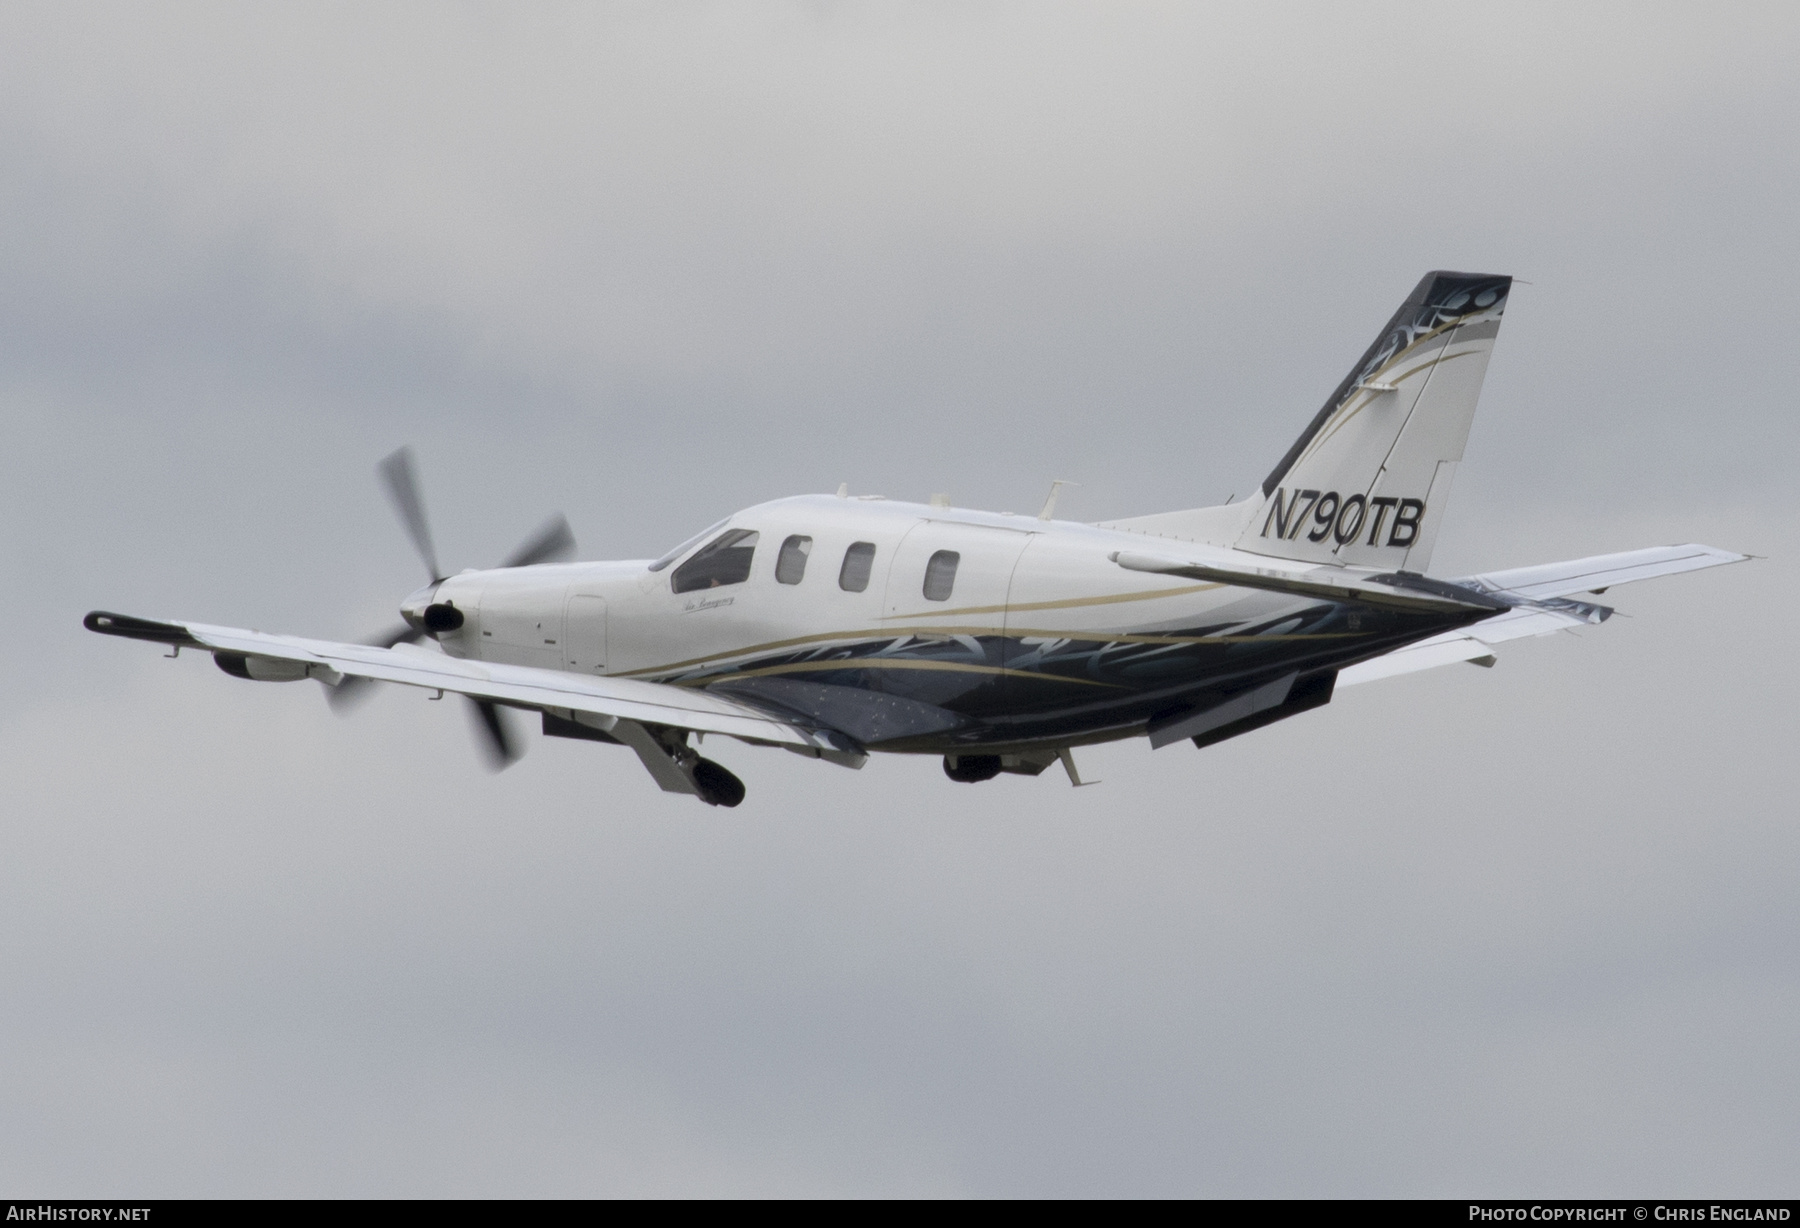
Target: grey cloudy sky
x,y
1527,930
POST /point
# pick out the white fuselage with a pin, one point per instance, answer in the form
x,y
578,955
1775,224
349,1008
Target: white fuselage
x,y
1037,628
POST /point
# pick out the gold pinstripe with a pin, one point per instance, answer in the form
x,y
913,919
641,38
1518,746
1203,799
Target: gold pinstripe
x,y
1104,637
1069,603
1342,421
1440,330
828,636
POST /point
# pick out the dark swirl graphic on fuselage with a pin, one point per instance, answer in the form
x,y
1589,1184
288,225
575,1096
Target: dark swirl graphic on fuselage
x,y
1026,686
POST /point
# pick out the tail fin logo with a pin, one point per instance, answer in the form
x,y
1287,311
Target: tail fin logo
x,y
1441,303
1323,514
1433,317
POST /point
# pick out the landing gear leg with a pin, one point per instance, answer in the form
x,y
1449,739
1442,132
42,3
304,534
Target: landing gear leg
x,y
675,766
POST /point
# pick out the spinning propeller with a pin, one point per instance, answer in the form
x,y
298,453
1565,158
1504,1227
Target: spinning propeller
x,y
551,542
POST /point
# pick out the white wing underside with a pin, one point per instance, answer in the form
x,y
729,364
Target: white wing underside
x,y
1544,582
630,699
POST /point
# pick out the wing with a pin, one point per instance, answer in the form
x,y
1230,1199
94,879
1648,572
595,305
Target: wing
x,y
1541,590
610,699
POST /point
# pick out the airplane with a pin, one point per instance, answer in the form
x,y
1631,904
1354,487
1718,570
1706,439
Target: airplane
x,y
835,626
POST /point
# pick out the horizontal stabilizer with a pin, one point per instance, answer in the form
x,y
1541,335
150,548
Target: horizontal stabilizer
x,y
1602,571
1477,642
1393,591
1543,607
1427,654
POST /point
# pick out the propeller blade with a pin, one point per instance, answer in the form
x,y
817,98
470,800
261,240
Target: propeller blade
x,y
552,541
402,634
499,742
349,693
402,481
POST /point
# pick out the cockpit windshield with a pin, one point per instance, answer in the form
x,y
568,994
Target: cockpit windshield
x,y
687,545
726,559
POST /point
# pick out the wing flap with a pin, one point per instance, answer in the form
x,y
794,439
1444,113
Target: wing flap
x,y
1541,590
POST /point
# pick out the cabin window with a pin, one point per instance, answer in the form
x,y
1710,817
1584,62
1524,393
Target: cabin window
x,y
724,560
940,575
859,561
790,564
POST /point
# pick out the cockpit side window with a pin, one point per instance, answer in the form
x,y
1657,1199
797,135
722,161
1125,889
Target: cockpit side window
x,y
790,564
940,575
724,560
859,561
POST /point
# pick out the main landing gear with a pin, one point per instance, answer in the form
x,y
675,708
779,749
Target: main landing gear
x,y
673,764
969,769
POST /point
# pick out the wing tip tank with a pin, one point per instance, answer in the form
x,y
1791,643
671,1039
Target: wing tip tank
x,y
105,622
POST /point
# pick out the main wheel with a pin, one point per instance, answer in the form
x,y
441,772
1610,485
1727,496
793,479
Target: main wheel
x,y
970,768
717,786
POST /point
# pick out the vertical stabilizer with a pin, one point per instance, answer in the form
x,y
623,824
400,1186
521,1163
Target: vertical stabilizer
x,y
1367,482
